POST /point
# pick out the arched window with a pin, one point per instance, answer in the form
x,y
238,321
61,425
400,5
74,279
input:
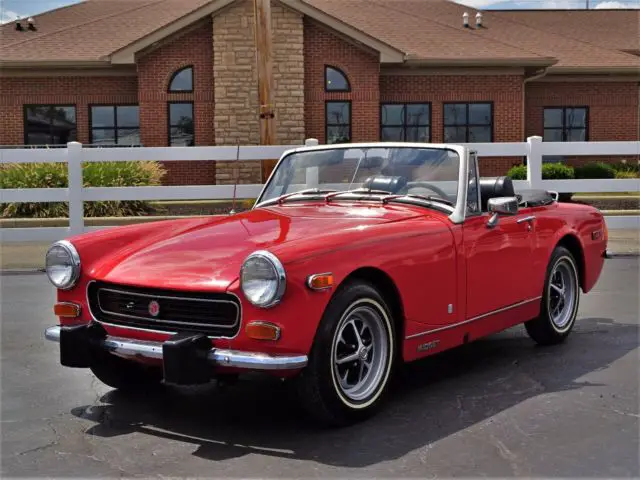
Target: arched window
x,y
335,80
182,80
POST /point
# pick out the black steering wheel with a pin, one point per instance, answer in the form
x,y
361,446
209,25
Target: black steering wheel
x,y
426,185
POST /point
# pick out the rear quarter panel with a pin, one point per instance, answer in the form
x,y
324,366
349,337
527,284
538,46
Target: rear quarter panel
x,y
582,222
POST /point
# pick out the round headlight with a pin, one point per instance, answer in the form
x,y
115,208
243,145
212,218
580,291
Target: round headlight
x,y
262,279
63,265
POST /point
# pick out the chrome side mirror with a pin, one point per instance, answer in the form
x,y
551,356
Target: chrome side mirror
x,y
501,205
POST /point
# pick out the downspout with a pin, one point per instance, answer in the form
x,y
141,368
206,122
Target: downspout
x,y
535,76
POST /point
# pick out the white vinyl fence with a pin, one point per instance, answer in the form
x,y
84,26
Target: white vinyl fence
x,y
533,149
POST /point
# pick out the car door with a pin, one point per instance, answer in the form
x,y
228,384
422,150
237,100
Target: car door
x,y
497,259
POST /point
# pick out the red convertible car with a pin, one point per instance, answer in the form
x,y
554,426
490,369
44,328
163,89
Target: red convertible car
x,y
354,259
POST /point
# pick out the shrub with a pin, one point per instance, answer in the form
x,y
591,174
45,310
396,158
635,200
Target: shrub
x,y
557,171
626,174
518,172
550,171
595,170
99,174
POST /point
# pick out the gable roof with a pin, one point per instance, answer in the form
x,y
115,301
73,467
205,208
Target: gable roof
x,y
421,32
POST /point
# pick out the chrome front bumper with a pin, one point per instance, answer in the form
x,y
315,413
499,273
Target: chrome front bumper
x,y
217,357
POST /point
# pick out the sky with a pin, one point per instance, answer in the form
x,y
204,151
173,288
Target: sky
x,y
11,10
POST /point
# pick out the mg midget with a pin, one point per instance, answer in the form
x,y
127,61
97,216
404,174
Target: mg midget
x,y
354,259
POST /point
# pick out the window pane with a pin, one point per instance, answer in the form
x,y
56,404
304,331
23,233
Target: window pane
x,y
128,116
552,135
480,114
181,137
552,117
128,136
179,113
479,134
576,135
576,117
103,137
418,114
336,80
392,114
455,134
338,113
472,187
455,114
52,125
183,81
102,117
38,138
392,134
417,134
66,115
338,134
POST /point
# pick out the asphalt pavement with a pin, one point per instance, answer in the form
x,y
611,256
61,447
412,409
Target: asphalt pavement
x,y
499,407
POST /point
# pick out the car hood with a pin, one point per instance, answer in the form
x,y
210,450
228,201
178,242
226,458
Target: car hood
x,y
207,253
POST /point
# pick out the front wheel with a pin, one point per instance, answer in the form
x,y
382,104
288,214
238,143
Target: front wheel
x,y
352,357
560,300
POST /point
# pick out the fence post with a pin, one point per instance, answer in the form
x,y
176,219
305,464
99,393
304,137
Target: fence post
x,y
534,162
76,207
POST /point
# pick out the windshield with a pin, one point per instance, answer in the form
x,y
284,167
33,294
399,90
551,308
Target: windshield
x,y
428,172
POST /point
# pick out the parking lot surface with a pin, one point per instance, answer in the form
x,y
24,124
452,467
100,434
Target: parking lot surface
x,y
499,407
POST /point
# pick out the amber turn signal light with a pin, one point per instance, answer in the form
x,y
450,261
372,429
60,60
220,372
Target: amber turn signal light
x,y
320,281
263,331
66,309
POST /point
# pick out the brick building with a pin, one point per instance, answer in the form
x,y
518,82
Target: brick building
x,y
182,72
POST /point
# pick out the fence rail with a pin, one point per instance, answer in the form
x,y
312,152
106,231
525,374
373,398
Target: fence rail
x,y
74,155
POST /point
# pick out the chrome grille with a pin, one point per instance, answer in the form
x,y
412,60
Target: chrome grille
x,y
213,314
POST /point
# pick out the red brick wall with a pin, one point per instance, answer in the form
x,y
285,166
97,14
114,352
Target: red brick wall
x,y
322,47
613,110
79,91
154,73
504,91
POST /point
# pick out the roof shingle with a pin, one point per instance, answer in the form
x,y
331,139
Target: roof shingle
x,y
430,31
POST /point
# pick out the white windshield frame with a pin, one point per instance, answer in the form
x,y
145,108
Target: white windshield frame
x,y
459,211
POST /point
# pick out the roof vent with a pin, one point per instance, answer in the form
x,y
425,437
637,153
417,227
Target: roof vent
x,y
31,22
465,19
478,20
19,26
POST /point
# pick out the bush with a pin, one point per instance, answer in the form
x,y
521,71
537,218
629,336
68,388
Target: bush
x,y
99,174
517,172
626,174
557,171
595,170
550,171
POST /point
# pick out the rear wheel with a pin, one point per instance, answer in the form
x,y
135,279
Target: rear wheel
x,y
352,357
125,375
560,300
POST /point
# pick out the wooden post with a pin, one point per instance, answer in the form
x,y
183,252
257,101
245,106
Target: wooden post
x,y
264,57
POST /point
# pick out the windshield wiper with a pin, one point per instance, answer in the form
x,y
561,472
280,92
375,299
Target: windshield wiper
x,y
366,191
429,198
309,191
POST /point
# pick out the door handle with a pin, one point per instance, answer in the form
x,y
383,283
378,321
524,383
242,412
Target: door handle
x,y
528,219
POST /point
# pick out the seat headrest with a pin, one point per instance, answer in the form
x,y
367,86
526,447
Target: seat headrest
x,y
493,187
390,184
